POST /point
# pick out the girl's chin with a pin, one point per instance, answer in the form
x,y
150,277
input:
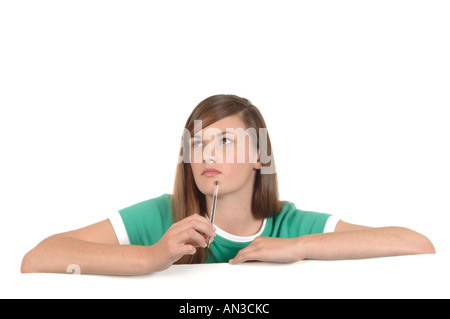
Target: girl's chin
x,y
208,188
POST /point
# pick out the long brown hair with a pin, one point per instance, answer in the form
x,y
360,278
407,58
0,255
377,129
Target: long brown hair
x,y
187,198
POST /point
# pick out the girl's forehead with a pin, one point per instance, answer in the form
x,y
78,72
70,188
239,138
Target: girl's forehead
x,y
229,122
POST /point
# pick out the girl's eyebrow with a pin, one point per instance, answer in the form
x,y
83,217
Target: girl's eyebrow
x,y
221,133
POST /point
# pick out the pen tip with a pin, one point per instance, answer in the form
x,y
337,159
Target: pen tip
x,y
217,182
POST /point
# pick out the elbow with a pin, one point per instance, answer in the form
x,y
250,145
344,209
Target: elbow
x,y
427,247
415,243
423,245
34,260
26,266
30,262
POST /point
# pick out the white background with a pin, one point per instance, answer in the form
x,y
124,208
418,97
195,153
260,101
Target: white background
x,y
94,96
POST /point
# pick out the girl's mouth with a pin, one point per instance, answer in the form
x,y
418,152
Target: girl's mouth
x,y
210,172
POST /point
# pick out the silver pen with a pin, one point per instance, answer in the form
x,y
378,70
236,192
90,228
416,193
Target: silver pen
x,y
213,207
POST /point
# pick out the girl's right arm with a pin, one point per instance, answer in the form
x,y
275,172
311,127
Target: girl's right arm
x,y
94,249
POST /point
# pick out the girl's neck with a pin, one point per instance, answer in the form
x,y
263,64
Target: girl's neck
x,y
234,213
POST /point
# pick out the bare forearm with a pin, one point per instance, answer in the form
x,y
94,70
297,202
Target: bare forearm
x,y
56,253
374,242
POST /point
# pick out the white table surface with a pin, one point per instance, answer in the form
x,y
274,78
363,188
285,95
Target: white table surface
x,y
422,276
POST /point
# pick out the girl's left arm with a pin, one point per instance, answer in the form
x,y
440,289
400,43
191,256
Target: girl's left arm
x,y
348,241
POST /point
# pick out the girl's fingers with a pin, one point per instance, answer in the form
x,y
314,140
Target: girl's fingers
x,y
196,222
192,237
243,255
187,250
269,249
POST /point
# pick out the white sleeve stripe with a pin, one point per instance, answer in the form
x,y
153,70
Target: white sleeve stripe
x,y
119,229
331,224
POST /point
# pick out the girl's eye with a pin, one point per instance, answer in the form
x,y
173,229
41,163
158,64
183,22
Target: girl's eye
x,y
226,140
222,141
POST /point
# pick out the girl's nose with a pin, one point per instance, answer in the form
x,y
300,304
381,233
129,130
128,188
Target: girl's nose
x,y
209,153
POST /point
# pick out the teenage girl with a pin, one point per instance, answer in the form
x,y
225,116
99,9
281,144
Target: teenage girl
x,y
225,140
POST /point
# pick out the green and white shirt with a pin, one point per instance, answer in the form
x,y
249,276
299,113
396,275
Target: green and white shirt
x,y
146,222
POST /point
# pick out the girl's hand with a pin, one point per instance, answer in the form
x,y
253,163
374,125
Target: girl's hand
x,y
181,238
282,250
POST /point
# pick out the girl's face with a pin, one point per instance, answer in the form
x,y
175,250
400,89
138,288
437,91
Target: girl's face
x,y
224,152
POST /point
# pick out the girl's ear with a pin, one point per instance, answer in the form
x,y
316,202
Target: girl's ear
x,y
257,165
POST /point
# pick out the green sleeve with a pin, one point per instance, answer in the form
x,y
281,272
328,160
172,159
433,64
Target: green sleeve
x,y
293,222
147,221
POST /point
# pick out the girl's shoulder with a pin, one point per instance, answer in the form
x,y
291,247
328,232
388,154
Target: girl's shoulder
x,y
292,221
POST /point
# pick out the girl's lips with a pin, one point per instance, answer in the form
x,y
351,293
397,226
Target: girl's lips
x,y
210,172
